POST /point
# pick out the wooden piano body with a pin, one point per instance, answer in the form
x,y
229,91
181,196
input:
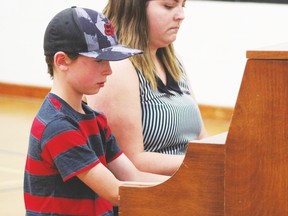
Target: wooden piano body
x,y
241,172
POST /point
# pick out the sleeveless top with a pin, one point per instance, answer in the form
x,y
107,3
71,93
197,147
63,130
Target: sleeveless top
x,y
170,116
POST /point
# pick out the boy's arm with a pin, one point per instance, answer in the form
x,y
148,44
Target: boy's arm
x,y
125,170
104,181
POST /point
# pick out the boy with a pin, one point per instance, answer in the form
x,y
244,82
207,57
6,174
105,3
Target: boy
x,y
74,165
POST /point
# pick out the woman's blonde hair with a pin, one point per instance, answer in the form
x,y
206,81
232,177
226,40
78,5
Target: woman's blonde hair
x,y
131,26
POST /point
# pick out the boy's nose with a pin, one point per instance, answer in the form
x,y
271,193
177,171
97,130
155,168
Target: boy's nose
x,y
107,69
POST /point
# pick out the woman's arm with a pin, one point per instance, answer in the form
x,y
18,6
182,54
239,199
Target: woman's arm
x,y
120,102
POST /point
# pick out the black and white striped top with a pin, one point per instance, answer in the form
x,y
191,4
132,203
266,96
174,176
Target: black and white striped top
x,y
169,120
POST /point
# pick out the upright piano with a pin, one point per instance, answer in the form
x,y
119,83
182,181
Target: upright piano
x,y
243,172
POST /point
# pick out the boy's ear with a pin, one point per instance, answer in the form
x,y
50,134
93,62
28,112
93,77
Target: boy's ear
x,y
61,60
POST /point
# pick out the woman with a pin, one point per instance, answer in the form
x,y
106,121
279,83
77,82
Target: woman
x,y
148,99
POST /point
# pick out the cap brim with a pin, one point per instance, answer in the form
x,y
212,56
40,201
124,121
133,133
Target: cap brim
x,y
113,53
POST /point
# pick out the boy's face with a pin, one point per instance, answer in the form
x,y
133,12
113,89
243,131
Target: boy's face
x,y
87,75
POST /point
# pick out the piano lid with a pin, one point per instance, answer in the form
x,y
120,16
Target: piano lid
x,y
277,51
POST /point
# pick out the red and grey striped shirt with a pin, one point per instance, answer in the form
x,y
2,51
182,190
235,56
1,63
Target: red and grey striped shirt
x,y
62,144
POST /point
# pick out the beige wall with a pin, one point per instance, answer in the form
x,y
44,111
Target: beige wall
x,y
212,41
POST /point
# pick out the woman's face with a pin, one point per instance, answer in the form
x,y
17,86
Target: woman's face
x,y
164,20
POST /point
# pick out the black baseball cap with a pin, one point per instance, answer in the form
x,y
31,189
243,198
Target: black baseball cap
x,y
87,32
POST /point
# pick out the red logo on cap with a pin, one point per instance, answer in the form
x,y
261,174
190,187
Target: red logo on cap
x,y
109,29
